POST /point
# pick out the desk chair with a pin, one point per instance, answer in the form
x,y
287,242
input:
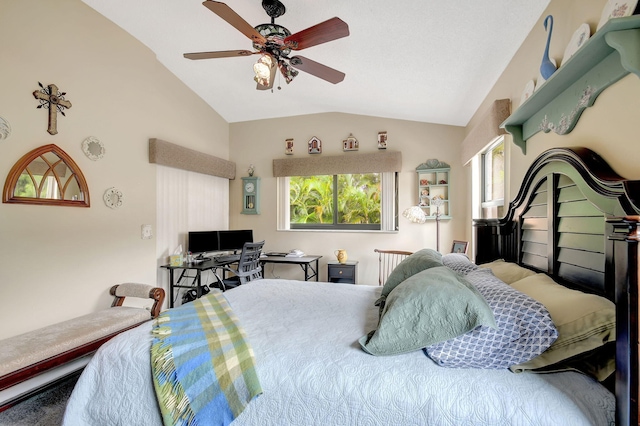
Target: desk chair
x,y
387,261
248,269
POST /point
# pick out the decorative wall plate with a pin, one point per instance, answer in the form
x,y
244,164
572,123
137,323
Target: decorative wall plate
x,y
578,39
5,129
528,91
315,146
93,148
113,198
288,146
617,9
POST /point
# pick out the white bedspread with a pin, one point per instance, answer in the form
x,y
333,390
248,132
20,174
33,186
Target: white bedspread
x,y
313,372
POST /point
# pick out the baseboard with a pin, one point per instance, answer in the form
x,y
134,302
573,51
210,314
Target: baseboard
x,y
24,390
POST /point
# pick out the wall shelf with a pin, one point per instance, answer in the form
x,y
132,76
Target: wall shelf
x,y
433,181
610,54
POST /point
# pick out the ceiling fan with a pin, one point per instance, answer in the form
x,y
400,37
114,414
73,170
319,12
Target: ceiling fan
x,y
274,43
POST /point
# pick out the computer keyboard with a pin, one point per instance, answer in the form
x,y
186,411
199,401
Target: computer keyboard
x,y
227,258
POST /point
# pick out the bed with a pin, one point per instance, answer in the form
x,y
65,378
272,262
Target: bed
x,y
306,336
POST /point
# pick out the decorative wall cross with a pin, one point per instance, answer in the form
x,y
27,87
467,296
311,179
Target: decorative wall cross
x,y
50,98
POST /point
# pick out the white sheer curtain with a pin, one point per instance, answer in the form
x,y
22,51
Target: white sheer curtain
x,y
186,201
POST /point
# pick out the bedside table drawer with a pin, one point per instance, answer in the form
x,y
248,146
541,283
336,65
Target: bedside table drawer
x,y
342,272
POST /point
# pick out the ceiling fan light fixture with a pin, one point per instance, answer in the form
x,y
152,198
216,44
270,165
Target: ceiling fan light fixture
x,y
263,69
287,71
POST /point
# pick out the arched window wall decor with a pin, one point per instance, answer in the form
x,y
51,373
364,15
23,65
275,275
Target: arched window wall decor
x,y
49,176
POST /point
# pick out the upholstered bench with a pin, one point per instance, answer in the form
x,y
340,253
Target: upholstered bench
x,y
28,355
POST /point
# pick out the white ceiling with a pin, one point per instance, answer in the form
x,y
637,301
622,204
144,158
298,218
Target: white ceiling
x,y
423,60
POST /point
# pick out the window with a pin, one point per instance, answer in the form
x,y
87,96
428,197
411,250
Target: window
x,y
492,163
364,201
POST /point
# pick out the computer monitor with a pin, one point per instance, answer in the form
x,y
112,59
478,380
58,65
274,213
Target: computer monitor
x,y
201,242
234,240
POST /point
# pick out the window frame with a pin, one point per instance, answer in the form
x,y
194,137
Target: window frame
x,y
486,170
388,216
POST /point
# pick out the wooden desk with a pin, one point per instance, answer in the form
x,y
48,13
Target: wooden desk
x,y
210,264
305,263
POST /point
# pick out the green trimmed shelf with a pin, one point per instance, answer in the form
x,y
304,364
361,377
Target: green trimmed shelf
x,y
610,54
433,181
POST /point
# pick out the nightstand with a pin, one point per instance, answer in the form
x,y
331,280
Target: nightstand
x,y
345,273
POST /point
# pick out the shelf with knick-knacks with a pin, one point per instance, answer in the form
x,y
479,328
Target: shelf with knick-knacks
x,y
433,188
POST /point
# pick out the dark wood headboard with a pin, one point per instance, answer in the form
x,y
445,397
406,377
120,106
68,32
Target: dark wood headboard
x,y
576,220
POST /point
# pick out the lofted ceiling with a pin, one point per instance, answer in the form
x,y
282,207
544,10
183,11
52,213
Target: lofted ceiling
x,y
422,60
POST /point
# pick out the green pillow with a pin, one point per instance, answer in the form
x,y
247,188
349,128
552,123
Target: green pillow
x,y
585,322
508,272
411,265
429,307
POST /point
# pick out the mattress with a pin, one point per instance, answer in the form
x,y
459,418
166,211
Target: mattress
x,y
313,371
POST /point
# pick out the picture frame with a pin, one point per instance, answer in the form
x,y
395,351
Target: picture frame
x,y
382,140
315,146
459,247
288,146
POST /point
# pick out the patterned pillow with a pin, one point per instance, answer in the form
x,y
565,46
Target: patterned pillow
x,y
524,331
459,263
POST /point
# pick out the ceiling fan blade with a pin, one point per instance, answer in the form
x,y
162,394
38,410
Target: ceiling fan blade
x,y
323,32
315,68
219,54
235,20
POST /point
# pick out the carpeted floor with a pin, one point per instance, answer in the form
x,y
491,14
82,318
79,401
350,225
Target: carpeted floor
x,y
43,409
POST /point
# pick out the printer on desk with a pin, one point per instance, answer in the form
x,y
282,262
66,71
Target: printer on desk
x,y
292,253
295,253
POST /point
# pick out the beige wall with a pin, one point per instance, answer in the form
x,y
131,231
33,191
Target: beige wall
x,y
59,262
259,142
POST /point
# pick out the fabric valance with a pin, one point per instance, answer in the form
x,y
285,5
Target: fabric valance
x,y
376,162
179,157
487,129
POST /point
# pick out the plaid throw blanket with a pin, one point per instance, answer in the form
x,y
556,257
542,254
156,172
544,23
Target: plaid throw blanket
x,y
203,367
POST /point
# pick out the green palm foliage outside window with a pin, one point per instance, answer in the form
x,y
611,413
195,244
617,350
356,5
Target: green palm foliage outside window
x,y
350,201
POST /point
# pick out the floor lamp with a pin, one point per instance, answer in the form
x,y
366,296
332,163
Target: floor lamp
x,y
438,202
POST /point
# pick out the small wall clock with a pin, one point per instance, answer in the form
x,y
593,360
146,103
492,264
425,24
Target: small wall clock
x,y
250,195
